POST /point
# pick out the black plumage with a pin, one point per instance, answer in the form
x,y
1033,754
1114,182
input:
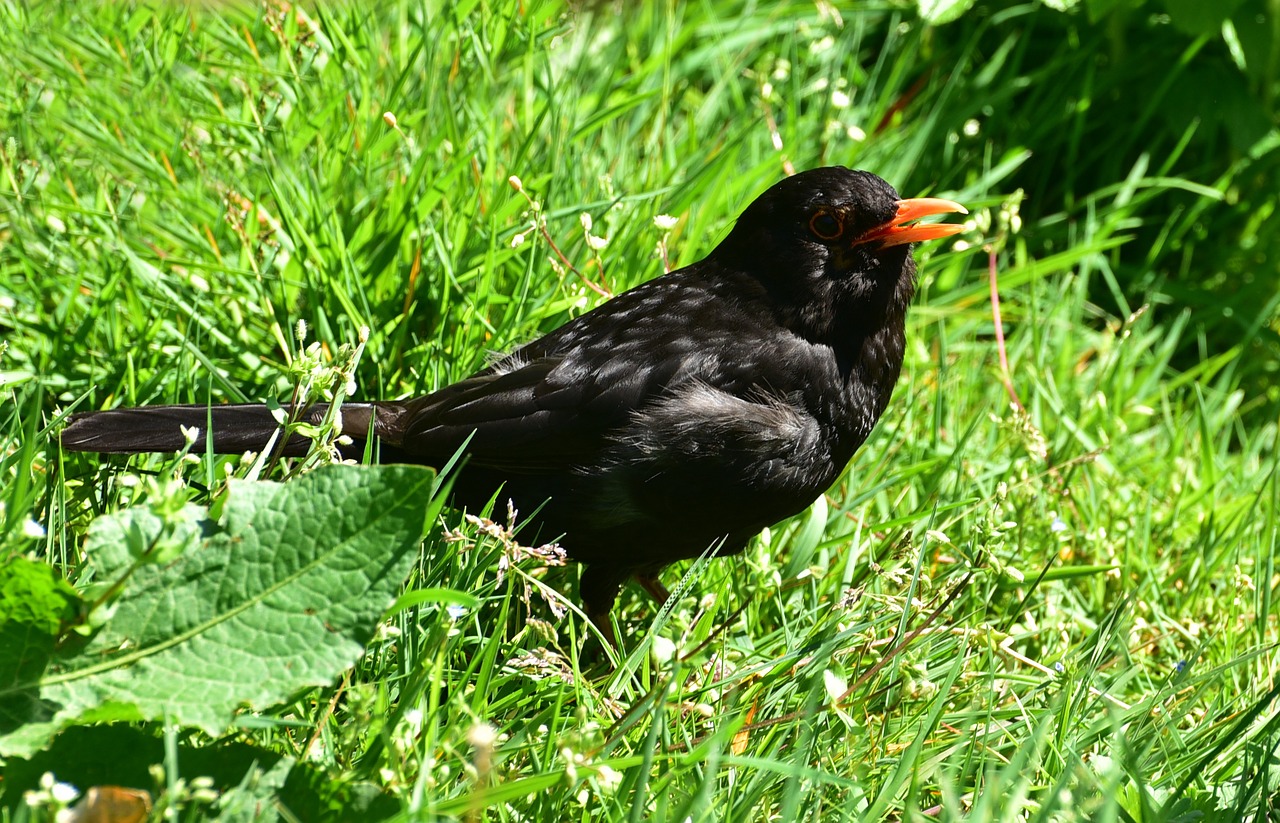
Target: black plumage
x,y
690,411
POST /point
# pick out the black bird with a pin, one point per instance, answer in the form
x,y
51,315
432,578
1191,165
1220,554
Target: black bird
x,y
690,411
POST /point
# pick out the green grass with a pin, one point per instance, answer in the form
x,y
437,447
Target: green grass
x,y
1062,615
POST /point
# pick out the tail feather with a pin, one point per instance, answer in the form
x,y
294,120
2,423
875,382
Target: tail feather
x,y
235,429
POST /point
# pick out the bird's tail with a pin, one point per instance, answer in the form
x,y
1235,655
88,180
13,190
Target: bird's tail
x,y
235,429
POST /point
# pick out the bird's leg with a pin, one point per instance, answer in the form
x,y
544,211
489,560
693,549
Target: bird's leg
x,y
650,582
599,590
605,625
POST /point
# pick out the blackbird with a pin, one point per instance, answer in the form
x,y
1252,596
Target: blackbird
x,y
685,414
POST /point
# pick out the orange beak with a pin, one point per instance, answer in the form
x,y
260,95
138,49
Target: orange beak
x,y
897,231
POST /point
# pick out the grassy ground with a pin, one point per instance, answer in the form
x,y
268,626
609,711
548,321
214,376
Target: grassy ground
x,y
1056,614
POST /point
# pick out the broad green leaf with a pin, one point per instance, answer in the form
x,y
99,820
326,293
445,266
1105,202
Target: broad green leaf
x,y
35,602
279,594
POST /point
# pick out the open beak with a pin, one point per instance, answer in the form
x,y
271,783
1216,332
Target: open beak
x,y
901,230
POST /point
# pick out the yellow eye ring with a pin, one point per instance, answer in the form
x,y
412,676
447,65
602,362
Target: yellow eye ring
x,y
826,226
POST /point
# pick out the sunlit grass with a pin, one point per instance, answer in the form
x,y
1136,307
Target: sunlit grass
x,y
1084,590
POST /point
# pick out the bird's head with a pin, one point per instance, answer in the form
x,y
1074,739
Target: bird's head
x,y
836,232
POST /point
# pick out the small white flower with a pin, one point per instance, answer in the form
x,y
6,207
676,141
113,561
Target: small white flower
x,y
834,683
972,127
839,100
32,529
665,222
608,777
455,611
518,240
824,44
597,243
190,434
938,536
585,219
202,790
482,736
856,133
662,650
63,794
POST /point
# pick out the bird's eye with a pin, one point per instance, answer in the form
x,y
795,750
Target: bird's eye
x,y
826,226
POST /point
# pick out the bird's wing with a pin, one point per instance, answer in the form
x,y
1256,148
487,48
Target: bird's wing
x,y
549,405
556,403
535,416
